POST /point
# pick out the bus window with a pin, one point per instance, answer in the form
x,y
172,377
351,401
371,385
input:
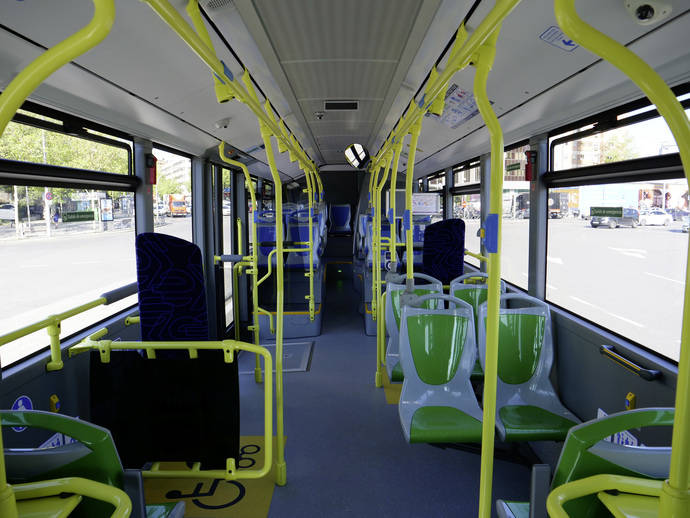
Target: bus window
x,y
173,195
61,248
515,246
647,138
468,207
41,146
617,233
228,230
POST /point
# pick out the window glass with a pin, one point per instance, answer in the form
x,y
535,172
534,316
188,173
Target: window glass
x,y
468,207
437,183
61,248
618,259
228,231
515,242
643,139
30,144
173,195
466,174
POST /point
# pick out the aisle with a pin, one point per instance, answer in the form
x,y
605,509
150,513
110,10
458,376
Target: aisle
x,y
345,452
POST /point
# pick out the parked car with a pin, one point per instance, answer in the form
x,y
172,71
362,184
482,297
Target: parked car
x,y
7,212
685,224
678,214
160,209
655,217
630,217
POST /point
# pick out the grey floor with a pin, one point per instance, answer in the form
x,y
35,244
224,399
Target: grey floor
x,y
345,453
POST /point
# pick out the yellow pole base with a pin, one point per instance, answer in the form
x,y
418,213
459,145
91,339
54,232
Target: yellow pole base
x,y
674,503
379,379
258,375
8,504
281,473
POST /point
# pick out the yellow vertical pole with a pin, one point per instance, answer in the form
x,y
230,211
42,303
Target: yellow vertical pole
x,y
415,130
376,259
675,496
281,468
254,260
373,180
397,150
483,62
310,274
8,505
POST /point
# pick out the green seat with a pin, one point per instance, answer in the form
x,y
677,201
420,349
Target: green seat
x,y
91,455
437,351
527,406
586,452
473,289
395,287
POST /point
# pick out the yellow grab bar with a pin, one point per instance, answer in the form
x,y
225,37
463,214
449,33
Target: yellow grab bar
x,y
77,486
229,347
39,69
675,494
483,62
595,484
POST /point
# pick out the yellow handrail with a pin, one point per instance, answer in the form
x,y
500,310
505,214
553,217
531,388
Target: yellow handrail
x,y
675,494
415,130
253,258
77,486
55,57
476,256
53,326
460,56
595,484
177,23
229,347
8,505
484,61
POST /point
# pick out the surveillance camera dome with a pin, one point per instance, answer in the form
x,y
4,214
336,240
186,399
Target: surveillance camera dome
x,y
647,12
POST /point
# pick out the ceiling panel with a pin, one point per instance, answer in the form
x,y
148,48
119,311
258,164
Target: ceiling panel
x,y
333,29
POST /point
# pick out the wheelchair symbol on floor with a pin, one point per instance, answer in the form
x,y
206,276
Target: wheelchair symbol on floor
x,y
198,493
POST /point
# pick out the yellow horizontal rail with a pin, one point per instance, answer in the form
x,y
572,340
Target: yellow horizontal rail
x,y
596,484
77,486
229,348
53,325
476,256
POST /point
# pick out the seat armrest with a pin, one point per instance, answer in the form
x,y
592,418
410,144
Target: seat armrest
x,y
540,485
134,487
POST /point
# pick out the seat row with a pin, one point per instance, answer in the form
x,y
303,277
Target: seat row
x,y
295,234
438,347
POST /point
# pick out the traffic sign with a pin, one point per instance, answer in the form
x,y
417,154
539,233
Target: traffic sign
x,y
49,196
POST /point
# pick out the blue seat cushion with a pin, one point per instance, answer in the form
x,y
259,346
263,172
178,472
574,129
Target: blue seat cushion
x,y
444,249
172,297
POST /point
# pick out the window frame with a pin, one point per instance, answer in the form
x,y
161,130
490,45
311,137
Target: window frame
x,y
645,169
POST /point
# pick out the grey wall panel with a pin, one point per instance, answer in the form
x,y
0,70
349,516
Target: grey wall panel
x,y
588,381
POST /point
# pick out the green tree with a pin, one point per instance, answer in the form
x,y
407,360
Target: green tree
x,y
616,148
167,185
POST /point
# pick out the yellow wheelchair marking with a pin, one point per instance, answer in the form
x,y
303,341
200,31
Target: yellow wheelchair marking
x,y
219,498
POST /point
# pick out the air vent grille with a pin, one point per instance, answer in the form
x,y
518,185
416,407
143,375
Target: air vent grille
x,y
214,5
340,105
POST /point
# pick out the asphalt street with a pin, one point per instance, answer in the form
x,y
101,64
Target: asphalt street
x,y
628,280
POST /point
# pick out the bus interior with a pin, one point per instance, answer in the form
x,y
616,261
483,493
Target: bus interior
x,y
324,258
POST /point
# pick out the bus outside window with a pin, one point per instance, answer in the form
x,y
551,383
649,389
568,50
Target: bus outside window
x,y
515,246
51,265
172,195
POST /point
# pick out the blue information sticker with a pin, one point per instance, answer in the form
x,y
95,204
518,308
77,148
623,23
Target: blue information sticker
x,y
22,403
